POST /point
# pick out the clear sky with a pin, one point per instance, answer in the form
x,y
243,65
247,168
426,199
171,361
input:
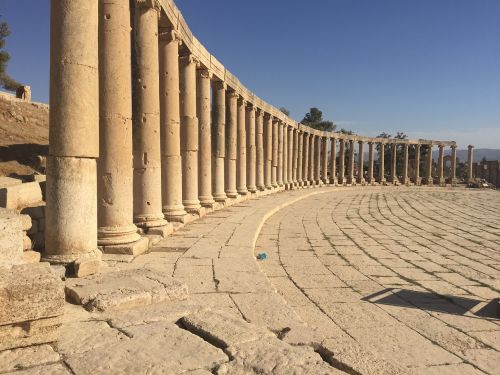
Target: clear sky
x,y
429,68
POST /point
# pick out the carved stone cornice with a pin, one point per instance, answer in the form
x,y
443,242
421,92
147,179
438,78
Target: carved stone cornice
x,y
204,72
169,35
149,4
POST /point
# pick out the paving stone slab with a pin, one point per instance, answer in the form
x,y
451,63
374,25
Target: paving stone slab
x,y
53,369
124,289
16,359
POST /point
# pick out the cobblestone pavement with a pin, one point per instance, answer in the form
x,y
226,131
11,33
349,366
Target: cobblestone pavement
x,y
410,275
365,280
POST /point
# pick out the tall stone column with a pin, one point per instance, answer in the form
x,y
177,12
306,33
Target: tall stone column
x,y
361,163
371,180
241,161
317,160
204,138
280,153
268,148
417,165
71,211
350,175
146,120
381,161
219,137
114,167
470,159
251,149
300,157
305,169
441,179
406,181
312,159
430,181
274,170
341,174
453,175
394,176
170,132
259,141
285,155
189,134
324,158
333,162
231,143
292,178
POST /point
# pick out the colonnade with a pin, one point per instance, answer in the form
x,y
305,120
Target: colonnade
x,y
148,129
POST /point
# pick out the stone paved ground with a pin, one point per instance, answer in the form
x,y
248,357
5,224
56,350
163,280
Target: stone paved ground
x,y
358,280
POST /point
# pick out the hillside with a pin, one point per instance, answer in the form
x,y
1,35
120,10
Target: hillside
x,y
24,132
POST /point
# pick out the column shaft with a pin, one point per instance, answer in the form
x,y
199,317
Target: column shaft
x,y
71,210
300,157
453,175
115,175
370,163
260,159
361,162
295,161
290,156
341,174
417,165
333,162
317,160
274,170
470,159
312,159
251,149
170,136
231,143
324,159
241,163
429,166
350,176
441,179
204,138
285,155
219,138
381,158
268,148
305,169
280,153
405,164
394,177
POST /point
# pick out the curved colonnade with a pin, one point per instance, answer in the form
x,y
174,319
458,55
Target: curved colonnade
x,y
148,128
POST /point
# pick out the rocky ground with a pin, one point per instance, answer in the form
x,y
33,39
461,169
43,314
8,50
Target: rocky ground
x,y
362,280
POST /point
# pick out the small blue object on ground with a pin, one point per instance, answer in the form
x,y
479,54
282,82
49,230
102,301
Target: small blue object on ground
x,y
262,256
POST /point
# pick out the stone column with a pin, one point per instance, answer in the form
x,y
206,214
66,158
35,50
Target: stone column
x,y
381,158
219,137
290,158
285,155
341,174
305,169
317,160
241,161
371,180
430,181
189,134
251,149
170,136
350,175
300,158
406,181
295,160
114,167
361,163
204,139
312,159
231,143
260,159
268,147
394,176
274,170
146,120
324,158
470,159
333,162
453,175
280,153
417,165
441,178
71,211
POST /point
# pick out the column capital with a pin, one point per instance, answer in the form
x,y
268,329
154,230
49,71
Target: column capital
x,y
259,112
453,147
267,115
149,4
204,72
251,107
232,94
167,34
189,58
440,146
242,101
361,142
470,147
221,85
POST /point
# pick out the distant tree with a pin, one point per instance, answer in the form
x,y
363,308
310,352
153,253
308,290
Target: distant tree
x,y
6,81
347,148
285,111
314,119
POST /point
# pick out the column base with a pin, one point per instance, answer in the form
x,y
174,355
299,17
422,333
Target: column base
x,y
207,201
417,181
199,211
442,182
252,189
174,213
454,182
163,231
361,181
149,221
134,248
242,191
68,259
232,194
107,236
221,198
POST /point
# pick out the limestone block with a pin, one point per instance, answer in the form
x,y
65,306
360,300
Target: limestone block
x,y
11,360
86,267
53,369
11,238
26,243
125,289
9,181
31,256
22,195
32,303
134,248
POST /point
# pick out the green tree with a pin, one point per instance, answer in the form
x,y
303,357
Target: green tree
x,y
6,81
285,111
314,119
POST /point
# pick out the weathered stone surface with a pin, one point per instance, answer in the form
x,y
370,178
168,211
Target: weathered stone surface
x,y
124,289
28,333
157,348
31,256
19,196
9,181
86,267
11,238
16,359
134,248
222,330
272,356
54,369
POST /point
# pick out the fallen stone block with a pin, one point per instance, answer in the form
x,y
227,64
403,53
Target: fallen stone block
x,y
11,238
31,256
124,289
9,181
19,196
31,305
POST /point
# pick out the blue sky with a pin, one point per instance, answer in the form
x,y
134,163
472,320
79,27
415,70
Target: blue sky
x,y
429,68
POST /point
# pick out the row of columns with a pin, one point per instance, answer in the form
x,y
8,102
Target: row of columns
x,y
126,159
